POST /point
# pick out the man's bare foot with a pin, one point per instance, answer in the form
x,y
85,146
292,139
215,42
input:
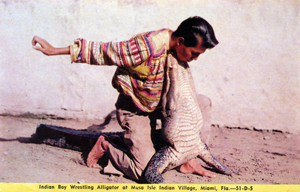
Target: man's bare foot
x,y
97,151
194,167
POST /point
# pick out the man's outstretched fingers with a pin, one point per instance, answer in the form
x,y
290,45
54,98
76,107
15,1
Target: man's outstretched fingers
x,y
194,167
44,47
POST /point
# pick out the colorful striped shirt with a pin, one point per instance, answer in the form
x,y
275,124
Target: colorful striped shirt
x,y
140,64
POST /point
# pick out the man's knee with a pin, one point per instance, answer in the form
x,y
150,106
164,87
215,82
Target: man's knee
x,y
204,102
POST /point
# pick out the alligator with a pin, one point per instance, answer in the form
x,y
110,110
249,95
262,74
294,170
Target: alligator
x,y
78,140
180,129
181,125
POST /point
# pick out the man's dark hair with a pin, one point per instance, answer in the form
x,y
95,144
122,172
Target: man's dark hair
x,y
193,26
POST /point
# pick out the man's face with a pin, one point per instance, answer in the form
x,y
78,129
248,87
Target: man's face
x,y
188,54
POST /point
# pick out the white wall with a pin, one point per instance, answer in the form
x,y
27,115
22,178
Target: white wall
x,y
252,76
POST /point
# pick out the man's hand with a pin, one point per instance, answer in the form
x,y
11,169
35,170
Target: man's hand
x,y
47,48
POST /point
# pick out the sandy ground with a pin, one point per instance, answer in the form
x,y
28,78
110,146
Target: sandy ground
x,y
261,157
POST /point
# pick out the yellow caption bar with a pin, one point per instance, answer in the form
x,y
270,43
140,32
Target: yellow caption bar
x,y
67,187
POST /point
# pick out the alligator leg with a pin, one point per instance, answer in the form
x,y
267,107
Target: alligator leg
x,y
157,165
207,157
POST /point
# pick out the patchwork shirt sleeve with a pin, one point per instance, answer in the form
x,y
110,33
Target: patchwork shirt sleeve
x,y
128,53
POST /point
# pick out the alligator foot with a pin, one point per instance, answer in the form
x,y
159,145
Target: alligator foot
x,y
193,167
208,158
97,151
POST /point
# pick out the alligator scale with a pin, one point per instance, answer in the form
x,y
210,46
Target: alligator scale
x,y
181,125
